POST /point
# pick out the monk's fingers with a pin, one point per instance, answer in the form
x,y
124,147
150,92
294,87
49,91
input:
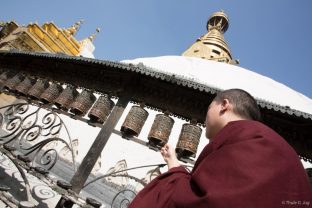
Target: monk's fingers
x,y
166,146
169,149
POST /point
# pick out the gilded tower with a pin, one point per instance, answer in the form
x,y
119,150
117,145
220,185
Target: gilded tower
x,y
212,45
45,38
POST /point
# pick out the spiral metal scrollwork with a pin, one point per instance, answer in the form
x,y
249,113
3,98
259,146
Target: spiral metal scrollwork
x,y
123,198
31,130
43,192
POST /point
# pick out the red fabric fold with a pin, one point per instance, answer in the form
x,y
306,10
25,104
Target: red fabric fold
x,y
246,165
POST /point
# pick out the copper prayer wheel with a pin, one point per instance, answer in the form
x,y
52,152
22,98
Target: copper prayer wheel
x,y
83,103
188,140
161,129
101,109
66,98
134,121
23,87
51,93
38,88
11,83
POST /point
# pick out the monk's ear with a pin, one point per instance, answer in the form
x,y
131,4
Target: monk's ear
x,y
225,105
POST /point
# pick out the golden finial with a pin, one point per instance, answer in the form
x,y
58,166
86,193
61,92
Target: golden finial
x,y
73,29
212,45
219,21
92,37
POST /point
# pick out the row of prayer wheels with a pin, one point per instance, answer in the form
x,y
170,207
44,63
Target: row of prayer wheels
x,y
53,93
160,131
80,103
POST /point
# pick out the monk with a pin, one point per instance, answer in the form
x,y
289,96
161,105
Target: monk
x,y
245,164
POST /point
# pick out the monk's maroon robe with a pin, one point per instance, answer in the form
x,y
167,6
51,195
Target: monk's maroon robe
x,y
246,165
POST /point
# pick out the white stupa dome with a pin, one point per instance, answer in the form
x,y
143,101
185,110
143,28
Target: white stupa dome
x,y
223,76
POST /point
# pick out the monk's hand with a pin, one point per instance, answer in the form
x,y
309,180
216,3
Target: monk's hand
x,y
169,156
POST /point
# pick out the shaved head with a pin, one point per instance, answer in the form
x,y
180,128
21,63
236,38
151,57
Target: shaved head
x,y
243,103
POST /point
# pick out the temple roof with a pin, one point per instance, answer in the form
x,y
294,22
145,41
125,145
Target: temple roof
x,y
183,86
221,76
46,38
187,72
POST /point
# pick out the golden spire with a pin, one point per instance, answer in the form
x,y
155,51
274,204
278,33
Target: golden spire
x,y
218,21
212,45
73,29
92,37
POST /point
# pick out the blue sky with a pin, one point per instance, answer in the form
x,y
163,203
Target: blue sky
x,y
272,38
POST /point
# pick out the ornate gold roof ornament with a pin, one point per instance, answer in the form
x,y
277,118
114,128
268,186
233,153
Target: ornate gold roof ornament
x,y
73,29
212,45
86,45
92,37
218,21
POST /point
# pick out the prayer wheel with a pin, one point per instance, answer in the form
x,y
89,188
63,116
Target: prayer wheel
x,y
11,83
101,109
160,131
188,140
38,88
51,93
66,98
23,87
82,103
134,121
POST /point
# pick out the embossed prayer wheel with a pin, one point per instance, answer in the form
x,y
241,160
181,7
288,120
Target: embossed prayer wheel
x,y
11,83
188,140
23,87
51,93
161,129
66,98
134,121
82,103
38,88
101,109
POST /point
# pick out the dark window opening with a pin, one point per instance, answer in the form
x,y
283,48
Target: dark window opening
x,y
215,51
